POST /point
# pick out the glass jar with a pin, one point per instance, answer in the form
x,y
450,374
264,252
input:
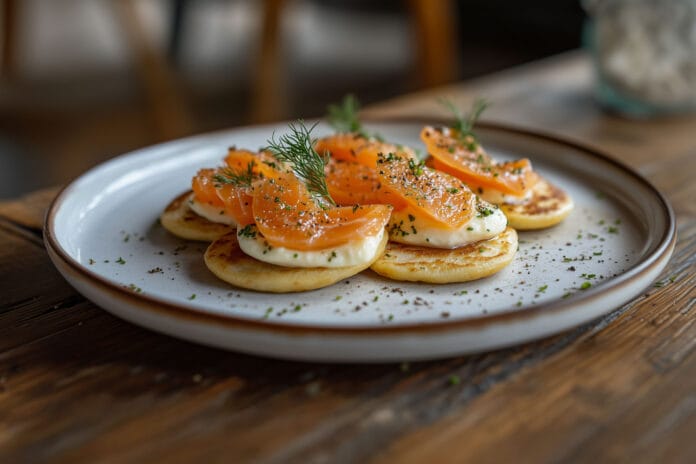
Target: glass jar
x,y
644,52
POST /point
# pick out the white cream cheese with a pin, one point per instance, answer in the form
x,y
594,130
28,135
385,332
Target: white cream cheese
x,y
211,213
497,197
353,253
406,227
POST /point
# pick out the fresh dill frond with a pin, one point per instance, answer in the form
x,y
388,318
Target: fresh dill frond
x,y
237,178
297,149
343,117
464,124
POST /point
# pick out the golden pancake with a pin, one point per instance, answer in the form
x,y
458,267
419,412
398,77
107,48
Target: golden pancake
x,y
181,221
227,261
548,206
442,266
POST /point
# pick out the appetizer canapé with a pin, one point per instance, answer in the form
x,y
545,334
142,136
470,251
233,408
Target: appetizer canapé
x,y
528,200
435,215
291,236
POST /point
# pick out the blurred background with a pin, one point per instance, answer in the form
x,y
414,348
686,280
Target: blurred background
x,y
84,80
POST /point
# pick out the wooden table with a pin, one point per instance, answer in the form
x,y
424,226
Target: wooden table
x,y
77,384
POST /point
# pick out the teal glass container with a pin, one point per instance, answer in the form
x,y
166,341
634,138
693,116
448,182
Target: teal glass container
x,y
644,55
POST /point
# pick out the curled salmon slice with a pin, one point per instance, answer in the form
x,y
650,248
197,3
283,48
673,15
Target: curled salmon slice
x,y
231,187
352,183
439,199
465,159
357,148
287,215
263,164
204,188
434,196
237,203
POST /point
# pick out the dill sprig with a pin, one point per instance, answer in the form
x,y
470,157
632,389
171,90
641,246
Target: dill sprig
x,y
297,149
464,124
237,178
343,117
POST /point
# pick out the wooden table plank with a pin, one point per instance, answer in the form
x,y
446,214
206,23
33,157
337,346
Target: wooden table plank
x,y
77,384
103,386
123,393
29,210
581,403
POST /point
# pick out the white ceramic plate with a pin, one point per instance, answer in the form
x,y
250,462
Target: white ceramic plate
x,y
102,234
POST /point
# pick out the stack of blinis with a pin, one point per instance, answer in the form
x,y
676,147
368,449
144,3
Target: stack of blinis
x,y
303,214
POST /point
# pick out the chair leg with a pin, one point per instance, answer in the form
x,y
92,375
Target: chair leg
x,y
268,99
168,107
436,41
9,17
177,29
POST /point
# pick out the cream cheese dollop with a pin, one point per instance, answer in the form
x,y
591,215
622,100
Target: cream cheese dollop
x,y
406,227
211,213
360,251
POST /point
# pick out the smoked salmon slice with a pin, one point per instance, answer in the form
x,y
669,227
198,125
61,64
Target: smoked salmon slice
x,y
230,188
461,156
439,199
287,215
204,187
434,196
353,146
352,183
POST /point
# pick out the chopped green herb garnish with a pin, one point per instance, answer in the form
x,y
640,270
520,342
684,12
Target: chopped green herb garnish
x,y
248,231
484,212
454,380
416,167
135,288
192,297
585,285
121,261
542,289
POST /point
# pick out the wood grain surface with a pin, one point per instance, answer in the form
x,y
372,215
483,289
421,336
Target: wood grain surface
x,y
78,385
